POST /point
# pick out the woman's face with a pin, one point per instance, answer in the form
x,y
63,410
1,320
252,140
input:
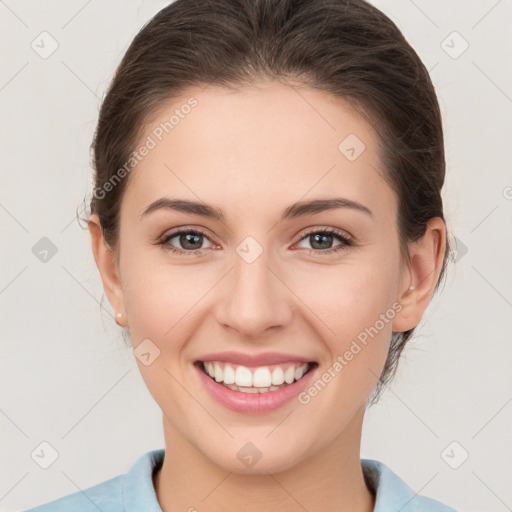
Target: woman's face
x,y
266,282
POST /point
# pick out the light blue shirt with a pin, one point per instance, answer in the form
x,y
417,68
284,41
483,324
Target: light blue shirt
x,y
134,491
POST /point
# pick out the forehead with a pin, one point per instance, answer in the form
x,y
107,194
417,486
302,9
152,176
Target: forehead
x,y
266,144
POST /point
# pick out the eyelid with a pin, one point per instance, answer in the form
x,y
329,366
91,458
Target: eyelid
x,y
184,229
319,229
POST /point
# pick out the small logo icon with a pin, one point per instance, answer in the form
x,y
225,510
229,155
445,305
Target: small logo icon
x,y
249,249
457,250
44,455
455,455
44,45
44,250
146,352
351,147
249,455
454,45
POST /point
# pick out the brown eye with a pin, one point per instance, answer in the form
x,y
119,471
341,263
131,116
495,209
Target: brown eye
x,y
321,241
187,241
190,241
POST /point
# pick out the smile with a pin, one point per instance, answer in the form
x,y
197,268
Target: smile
x,y
261,379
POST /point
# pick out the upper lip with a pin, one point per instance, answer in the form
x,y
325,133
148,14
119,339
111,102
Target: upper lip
x,y
245,359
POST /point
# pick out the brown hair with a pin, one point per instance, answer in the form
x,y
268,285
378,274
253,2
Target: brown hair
x,y
345,47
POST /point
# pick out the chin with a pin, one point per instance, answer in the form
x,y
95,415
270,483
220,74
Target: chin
x,y
249,460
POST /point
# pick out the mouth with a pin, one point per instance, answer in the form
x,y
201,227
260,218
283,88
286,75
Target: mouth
x,y
257,379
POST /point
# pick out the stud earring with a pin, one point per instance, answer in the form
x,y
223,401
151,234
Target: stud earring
x,y
411,288
118,319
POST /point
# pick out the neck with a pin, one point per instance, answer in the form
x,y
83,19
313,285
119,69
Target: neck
x,y
331,479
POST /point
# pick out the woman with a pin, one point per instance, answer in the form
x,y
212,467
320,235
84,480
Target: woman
x,y
268,225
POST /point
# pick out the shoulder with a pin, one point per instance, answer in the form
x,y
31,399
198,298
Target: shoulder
x,y
107,496
393,494
132,491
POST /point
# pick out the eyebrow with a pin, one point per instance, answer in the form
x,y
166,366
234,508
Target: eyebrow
x,y
299,209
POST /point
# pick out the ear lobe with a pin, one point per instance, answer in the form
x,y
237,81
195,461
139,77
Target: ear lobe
x,y
423,270
107,265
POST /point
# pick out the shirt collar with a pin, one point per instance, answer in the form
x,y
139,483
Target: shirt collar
x,y
392,493
138,489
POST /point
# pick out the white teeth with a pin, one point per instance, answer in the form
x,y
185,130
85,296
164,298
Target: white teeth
x,y
253,390
243,376
229,375
277,376
289,375
299,372
248,390
261,379
218,372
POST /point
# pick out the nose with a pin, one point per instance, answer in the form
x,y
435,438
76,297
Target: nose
x,y
254,299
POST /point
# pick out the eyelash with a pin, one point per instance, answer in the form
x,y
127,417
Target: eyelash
x,y
346,241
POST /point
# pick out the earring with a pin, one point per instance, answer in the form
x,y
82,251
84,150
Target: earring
x,y
119,315
411,288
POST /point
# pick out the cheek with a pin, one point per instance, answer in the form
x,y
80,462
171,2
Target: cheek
x,y
159,295
348,298
359,310
160,303
353,306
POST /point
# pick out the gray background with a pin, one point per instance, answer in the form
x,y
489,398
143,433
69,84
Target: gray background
x,y
67,378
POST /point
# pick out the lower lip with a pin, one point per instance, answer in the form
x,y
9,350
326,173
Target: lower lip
x,y
254,403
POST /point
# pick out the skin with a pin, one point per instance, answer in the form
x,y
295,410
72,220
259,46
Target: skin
x,y
252,153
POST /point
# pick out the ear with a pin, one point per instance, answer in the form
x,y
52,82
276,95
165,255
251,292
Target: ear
x,y
421,273
108,266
